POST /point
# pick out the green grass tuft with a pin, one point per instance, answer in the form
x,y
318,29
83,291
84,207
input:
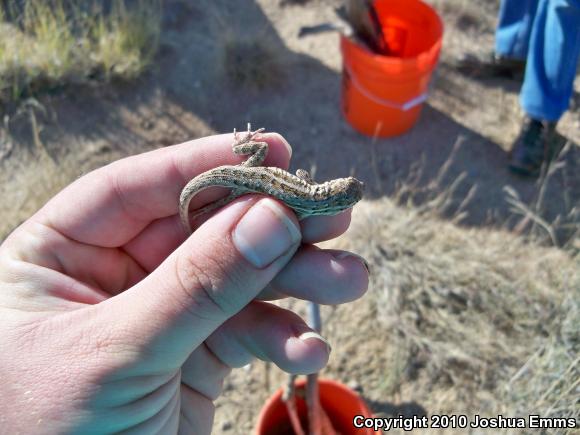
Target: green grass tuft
x,y
51,44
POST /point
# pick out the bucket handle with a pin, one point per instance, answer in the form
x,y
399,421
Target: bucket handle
x,y
415,101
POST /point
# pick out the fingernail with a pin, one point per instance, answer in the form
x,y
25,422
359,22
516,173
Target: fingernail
x,y
341,255
304,332
281,139
265,233
315,335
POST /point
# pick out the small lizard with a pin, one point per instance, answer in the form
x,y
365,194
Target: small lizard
x,y
299,192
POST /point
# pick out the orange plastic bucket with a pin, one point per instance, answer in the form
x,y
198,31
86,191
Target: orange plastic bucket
x,y
340,403
382,95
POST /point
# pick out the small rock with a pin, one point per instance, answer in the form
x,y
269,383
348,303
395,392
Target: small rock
x,y
226,425
355,386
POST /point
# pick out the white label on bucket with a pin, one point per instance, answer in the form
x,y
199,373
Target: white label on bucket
x,y
415,101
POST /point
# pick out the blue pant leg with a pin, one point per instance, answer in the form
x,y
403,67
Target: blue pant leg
x,y
552,59
514,27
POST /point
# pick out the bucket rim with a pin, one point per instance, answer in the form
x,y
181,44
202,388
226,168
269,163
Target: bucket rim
x,y
277,396
423,62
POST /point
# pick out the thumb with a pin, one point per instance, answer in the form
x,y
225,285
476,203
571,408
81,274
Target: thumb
x,y
215,273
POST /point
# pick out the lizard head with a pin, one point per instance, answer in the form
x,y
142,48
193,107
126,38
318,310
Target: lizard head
x,y
328,198
345,192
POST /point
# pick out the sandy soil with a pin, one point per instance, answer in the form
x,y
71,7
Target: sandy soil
x,y
44,146
187,95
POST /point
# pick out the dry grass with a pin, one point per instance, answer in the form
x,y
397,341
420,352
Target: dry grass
x,y
563,231
31,176
484,321
53,43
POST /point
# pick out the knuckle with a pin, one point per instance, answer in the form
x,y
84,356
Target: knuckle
x,y
209,284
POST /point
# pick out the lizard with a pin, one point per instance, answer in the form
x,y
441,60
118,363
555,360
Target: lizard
x,y
299,192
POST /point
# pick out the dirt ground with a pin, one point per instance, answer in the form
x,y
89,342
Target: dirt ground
x,y
187,95
45,144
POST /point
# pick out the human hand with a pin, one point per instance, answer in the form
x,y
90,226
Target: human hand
x,y
112,319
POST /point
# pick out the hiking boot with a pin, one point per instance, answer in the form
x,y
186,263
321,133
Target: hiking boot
x,y
534,146
491,65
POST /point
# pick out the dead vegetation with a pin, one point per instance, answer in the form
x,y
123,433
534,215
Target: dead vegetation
x,y
50,44
478,320
484,321
564,230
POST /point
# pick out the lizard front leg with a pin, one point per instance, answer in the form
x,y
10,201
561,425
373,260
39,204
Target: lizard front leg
x,y
246,146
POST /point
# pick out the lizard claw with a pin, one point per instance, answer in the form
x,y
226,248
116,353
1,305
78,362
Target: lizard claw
x,y
249,135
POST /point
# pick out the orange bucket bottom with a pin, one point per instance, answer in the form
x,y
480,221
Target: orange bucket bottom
x,y
375,120
340,403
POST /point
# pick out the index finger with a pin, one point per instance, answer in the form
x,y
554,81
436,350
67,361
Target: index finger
x,y
111,205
